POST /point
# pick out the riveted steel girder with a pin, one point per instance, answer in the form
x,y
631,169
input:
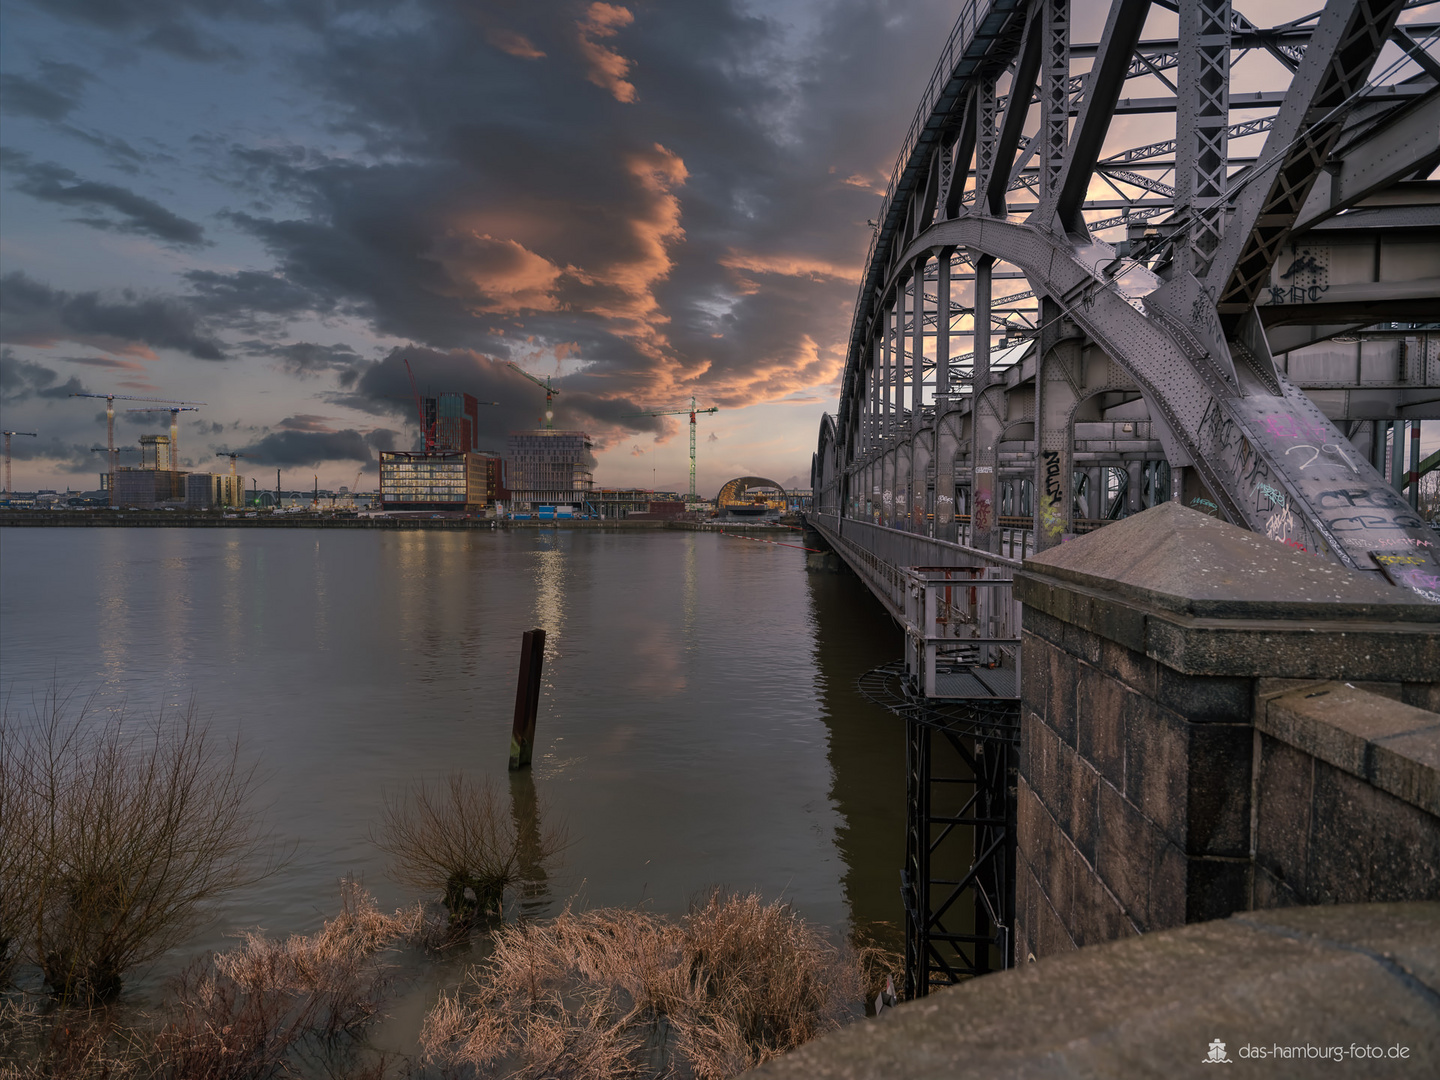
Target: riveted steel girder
x,y
1342,50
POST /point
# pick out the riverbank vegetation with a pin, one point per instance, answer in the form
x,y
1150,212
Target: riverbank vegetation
x,y
118,839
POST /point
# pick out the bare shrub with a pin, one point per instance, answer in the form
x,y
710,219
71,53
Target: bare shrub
x,y
614,993
128,833
457,836
18,851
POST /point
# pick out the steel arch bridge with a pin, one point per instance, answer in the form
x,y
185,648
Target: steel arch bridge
x,y
1228,297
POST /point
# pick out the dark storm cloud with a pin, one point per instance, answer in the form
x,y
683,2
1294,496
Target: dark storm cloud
x,y
23,379
308,448
52,94
53,183
383,388
306,358
33,313
672,196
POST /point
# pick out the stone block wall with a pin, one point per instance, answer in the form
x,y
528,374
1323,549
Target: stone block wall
x,y
1167,776
1347,796
1133,795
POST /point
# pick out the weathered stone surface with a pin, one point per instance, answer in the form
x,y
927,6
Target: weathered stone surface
x,y
1365,844
1151,1006
1175,559
1207,598
1100,709
1284,793
1394,746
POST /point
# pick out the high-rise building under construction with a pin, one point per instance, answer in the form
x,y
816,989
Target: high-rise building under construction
x,y
544,467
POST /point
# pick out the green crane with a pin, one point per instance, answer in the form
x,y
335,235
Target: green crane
x,y
693,411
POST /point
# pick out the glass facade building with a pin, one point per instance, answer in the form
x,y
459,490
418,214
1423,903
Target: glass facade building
x,y
444,480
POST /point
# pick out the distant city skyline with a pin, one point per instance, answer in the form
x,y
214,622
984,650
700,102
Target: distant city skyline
x,y
266,205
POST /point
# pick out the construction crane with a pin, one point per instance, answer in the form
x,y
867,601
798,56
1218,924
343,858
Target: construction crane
x,y
110,400
9,484
113,453
427,431
175,411
232,457
693,411
544,384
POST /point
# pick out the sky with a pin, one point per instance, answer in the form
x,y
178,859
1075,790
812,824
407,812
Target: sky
x,y
268,205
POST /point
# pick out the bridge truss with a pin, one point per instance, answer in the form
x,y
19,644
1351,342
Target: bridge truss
x,y
1197,259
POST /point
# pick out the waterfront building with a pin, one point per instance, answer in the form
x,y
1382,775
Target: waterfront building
x,y
622,502
146,489
546,467
204,491
441,480
456,420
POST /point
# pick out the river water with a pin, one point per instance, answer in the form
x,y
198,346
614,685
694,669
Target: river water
x,y
698,724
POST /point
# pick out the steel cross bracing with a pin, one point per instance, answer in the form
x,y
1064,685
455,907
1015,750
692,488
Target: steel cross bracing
x,y
1233,296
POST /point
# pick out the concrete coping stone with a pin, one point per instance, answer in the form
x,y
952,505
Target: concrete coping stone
x,y
1179,560
1392,746
1331,978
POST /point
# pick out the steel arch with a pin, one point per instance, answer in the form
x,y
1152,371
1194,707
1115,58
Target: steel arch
x,y
1179,307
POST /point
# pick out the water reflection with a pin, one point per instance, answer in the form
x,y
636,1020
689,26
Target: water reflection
x,y
867,753
699,725
534,898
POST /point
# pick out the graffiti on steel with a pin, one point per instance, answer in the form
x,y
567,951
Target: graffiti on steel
x,y
1052,512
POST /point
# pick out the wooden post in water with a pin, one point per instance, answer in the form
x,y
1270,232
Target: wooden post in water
x,y
527,697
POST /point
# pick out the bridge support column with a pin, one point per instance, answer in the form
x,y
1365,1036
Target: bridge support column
x,y
986,424
945,422
920,454
1056,395
947,441
902,484
1167,776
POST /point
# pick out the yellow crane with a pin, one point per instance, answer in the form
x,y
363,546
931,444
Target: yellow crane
x,y
544,384
693,411
9,484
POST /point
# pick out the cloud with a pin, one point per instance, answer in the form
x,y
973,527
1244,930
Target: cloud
x,y
493,276
607,68
508,41
33,313
23,379
307,422
789,265
52,96
308,448
53,183
306,359
107,362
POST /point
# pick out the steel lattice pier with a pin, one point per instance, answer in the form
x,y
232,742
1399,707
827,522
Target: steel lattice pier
x,y
959,875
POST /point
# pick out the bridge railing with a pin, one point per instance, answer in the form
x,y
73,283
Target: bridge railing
x,y
881,555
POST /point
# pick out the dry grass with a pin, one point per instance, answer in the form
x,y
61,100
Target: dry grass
x,y
613,993
459,838
259,1006
266,1008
